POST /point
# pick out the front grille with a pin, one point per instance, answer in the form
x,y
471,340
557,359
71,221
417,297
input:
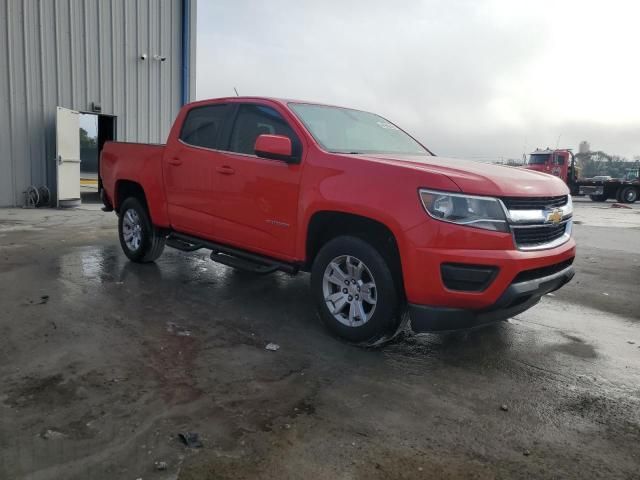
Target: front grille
x,y
542,271
534,203
533,236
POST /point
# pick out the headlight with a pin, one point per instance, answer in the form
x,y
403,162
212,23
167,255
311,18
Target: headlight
x,y
468,210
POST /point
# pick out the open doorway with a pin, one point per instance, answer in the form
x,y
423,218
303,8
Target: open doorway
x,y
80,137
89,157
95,130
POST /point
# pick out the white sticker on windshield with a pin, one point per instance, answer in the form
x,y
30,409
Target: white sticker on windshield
x,y
388,126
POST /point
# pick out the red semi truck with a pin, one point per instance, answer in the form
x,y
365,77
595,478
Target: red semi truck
x,y
381,223
561,163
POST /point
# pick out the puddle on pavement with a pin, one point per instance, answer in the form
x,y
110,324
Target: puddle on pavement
x,y
539,342
9,226
90,264
107,264
418,353
575,346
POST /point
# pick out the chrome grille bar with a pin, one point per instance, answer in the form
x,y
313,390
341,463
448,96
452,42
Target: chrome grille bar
x,y
540,229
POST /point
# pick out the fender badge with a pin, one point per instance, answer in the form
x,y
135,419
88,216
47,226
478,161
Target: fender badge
x,y
277,223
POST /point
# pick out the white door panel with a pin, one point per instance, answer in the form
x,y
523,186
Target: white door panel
x,y
68,156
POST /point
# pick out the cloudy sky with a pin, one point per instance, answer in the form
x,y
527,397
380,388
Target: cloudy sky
x,y
479,79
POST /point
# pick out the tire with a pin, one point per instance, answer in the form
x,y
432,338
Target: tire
x,y
598,198
346,321
629,195
147,244
619,195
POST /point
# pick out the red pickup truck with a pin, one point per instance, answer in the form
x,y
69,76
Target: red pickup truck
x,y
381,223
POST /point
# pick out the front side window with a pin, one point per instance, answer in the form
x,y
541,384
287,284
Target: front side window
x,y
255,120
203,125
343,130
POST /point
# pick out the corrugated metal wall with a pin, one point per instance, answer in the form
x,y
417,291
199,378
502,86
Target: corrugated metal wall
x,y
71,53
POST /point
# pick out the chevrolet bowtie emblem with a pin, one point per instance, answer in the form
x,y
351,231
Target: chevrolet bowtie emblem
x,y
554,216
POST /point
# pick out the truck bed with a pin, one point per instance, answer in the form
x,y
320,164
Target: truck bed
x,y
135,162
604,188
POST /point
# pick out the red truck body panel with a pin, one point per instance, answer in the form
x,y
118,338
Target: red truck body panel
x,y
137,163
266,206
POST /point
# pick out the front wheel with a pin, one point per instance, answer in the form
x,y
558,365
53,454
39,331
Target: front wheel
x,y
629,195
140,241
355,291
598,198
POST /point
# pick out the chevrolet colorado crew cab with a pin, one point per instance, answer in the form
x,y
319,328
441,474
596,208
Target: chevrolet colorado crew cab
x,y
381,223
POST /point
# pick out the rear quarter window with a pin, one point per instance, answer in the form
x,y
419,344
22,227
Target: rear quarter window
x,y
203,126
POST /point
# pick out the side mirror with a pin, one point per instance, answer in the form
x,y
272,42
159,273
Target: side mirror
x,y
277,147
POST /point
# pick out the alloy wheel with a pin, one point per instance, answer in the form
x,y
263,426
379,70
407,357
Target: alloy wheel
x,y
132,229
349,290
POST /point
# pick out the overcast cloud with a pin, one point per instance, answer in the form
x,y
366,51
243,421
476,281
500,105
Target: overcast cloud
x,y
477,79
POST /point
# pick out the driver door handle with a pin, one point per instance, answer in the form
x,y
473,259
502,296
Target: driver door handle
x,y
225,170
175,161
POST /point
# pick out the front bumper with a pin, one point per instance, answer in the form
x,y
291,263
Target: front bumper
x,y
518,297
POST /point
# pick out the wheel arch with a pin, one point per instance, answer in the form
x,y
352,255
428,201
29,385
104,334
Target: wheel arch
x,y
129,188
324,225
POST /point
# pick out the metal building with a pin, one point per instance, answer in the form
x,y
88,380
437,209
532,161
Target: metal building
x,y
132,61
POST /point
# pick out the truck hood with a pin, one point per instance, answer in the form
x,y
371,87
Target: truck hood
x,y
481,178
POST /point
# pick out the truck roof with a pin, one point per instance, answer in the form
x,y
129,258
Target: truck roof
x,y
548,150
283,101
539,150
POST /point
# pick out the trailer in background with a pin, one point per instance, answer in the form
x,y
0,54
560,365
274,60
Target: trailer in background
x,y
562,164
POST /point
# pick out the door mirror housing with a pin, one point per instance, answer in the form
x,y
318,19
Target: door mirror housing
x,y
277,147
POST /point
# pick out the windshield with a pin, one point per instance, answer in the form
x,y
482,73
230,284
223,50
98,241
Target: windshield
x,y
343,130
538,159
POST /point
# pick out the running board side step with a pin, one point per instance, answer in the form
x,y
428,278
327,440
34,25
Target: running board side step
x,y
179,244
242,264
230,256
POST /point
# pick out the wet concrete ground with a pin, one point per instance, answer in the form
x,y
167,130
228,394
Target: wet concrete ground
x,y
103,362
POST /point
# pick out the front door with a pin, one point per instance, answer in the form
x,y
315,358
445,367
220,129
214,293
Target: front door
x,y
256,199
560,163
68,157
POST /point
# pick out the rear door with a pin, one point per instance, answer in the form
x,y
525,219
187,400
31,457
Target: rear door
x,y
190,169
68,157
256,199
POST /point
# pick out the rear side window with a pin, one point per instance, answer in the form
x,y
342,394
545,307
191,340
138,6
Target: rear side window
x,y
255,120
202,126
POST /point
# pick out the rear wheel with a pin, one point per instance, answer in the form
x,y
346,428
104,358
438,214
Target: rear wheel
x,y
598,198
354,290
629,195
139,239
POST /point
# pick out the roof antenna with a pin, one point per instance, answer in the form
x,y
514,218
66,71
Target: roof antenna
x,y
236,90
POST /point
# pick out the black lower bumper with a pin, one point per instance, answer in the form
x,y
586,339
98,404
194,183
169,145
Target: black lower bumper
x,y
517,298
